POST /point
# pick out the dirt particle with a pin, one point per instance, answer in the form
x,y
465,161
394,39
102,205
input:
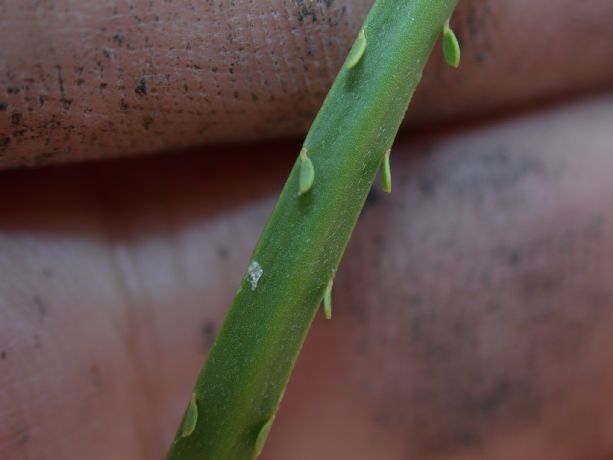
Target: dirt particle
x,y
41,306
95,376
3,106
305,11
60,79
141,88
224,253
43,158
16,118
66,103
147,122
513,258
119,38
480,57
2,355
23,438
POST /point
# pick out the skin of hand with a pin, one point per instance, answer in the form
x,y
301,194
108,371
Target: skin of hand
x,y
472,311
95,79
471,319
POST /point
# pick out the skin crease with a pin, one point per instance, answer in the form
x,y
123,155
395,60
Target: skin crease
x,y
471,319
88,79
472,311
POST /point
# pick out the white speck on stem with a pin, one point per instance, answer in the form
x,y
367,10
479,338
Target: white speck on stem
x,y
254,273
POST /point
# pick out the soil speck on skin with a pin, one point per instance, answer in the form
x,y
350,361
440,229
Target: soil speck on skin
x,y
3,106
95,376
23,438
16,118
118,38
141,88
66,103
147,122
41,306
43,158
224,253
60,79
2,355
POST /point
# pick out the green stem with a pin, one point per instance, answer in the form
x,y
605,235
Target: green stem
x,y
238,391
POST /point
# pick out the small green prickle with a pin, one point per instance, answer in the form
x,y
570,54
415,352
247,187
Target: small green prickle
x,y
451,47
263,436
357,51
328,300
386,173
307,172
190,419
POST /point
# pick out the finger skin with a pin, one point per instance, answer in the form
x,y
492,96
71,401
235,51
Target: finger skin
x,y
472,311
87,79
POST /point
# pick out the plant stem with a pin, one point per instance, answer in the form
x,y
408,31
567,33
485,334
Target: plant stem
x,y
240,387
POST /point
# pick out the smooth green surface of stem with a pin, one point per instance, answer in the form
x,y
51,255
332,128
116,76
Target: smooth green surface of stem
x,y
240,387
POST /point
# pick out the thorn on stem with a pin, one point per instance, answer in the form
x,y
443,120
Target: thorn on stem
x,y
328,300
191,418
451,47
386,173
263,435
307,172
357,51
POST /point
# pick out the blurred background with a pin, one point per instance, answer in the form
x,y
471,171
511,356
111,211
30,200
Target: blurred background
x,y
142,147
